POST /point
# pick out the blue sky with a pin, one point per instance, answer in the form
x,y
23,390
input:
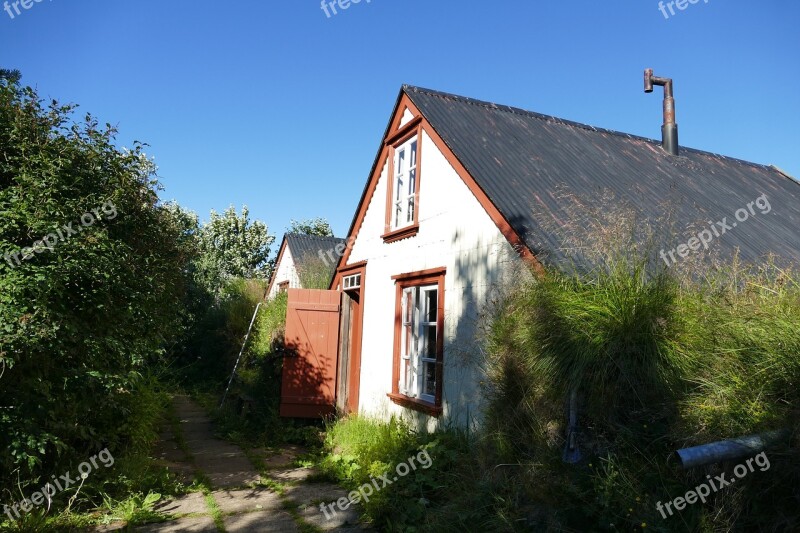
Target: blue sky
x,y
275,105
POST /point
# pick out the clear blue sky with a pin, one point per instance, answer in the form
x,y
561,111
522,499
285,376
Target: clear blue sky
x,y
272,104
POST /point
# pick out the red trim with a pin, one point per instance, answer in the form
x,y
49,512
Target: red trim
x,y
412,129
402,233
403,102
429,273
354,266
411,403
357,325
405,132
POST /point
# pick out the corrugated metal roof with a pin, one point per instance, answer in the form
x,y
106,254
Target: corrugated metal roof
x,y
310,247
525,161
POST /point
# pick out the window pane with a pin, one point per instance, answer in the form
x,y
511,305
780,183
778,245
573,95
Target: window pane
x,y
429,382
408,376
401,161
408,305
412,182
429,342
414,154
410,211
431,306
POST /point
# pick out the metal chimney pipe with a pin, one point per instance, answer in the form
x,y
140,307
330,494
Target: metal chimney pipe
x,y
669,130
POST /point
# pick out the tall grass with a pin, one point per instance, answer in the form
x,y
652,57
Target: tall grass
x,y
314,272
661,359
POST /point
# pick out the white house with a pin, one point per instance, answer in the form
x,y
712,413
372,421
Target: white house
x,y
462,197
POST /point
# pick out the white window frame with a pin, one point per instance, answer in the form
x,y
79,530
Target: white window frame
x,y
404,184
351,282
414,357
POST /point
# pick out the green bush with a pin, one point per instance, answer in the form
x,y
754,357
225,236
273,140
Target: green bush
x,y
81,322
124,490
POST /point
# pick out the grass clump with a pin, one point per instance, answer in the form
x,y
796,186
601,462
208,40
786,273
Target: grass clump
x,y
443,493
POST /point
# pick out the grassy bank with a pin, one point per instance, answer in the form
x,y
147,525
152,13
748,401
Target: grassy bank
x,y
659,362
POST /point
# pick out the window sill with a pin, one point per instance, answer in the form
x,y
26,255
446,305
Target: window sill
x,y
417,405
402,233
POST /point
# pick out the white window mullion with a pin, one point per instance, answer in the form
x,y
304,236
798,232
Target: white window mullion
x,y
419,341
405,345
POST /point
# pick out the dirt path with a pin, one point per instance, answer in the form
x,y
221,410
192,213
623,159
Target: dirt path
x,y
270,495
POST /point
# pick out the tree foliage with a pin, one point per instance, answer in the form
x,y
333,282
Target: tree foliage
x,y
78,321
313,226
232,246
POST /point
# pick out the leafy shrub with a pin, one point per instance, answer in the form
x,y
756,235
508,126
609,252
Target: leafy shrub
x,y
82,321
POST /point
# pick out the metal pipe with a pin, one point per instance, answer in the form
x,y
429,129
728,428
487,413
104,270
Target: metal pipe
x,y
235,366
669,130
730,449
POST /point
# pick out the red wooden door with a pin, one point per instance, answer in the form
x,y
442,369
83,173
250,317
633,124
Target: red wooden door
x,y
308,387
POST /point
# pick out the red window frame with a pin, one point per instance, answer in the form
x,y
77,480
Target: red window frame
x,y
403,135
429,277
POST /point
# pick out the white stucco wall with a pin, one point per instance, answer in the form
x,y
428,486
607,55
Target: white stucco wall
x,y
455,232
285,271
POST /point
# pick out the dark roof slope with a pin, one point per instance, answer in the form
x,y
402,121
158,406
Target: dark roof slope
x,y
308,248
305,246
524,161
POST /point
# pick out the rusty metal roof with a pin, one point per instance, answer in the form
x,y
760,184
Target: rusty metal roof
x,y
525,161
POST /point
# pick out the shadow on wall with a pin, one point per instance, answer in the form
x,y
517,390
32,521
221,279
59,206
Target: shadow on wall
x,y
308,380
484,270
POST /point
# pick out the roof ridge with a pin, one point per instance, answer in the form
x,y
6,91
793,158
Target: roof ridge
x,y
572,123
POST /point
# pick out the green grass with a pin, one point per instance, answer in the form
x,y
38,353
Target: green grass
x,y
450,495
215,511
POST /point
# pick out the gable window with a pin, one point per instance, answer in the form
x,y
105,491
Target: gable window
x,y
418,357
402,192
283,286
405,184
